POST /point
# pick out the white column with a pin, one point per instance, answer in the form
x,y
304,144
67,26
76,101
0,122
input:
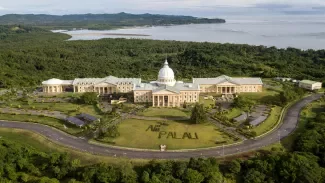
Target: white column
x,y
173,100
169,100
163,100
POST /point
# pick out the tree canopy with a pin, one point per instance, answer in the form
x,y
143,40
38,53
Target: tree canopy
x,y
243,103
27,59
89,98
198,114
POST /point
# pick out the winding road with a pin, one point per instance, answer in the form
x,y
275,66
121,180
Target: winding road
x,y
288,125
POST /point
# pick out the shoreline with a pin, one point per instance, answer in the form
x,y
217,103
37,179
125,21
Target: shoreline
x,y
108,34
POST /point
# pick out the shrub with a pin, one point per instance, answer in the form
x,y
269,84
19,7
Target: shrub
x,y
89,98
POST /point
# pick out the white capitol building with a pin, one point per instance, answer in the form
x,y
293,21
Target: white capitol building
x,y
165,92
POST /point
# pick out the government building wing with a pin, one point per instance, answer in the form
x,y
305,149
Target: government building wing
x,y
164,92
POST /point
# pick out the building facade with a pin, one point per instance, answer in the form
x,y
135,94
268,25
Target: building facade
x,y
310,85
164,92
228,85
102,86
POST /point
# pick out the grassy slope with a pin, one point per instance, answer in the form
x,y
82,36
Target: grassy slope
x,y
133,134
67,108
163,112
40,143
269,123
259,96
59,124
206,103
234,112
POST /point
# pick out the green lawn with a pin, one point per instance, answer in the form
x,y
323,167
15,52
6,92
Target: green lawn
x,y
270,122
67,108
207,102
40,143
56,123
62,95
233,112
260,95
164,112
276,85
134,133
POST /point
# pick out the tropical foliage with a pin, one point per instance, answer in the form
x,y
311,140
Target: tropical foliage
x,y
19,163
28,58
198,114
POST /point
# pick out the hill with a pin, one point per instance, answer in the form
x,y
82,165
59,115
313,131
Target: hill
x,y
101,21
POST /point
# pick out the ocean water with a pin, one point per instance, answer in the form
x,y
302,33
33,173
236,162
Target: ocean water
x,y
304,32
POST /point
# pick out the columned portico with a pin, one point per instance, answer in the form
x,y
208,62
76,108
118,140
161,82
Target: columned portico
x,y
165,101
227,89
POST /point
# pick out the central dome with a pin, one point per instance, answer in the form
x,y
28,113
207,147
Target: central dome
x,y
166,75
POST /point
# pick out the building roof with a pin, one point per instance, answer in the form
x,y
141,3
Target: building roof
x,y
168,88
179,86
55,81
258,120
110,79
166,75
309,82
75,121
87,117
224,78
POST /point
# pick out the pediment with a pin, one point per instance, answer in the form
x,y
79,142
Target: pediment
x,y
105,84
165,92
227,83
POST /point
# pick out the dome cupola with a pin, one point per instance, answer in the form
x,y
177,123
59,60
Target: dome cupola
x,y
166,75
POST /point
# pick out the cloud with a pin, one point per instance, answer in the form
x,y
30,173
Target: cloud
x,y
188,7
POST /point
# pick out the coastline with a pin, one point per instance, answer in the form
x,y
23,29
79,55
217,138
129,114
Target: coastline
x,y
108,34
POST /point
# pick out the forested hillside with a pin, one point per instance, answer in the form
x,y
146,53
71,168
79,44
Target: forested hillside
x,y
7,30
101,21
30,57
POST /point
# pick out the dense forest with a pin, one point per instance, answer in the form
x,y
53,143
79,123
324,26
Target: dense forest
x,y
29,57
101,21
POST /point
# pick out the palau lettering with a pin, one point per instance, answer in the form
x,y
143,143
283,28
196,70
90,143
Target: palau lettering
x,y
153,128
173,135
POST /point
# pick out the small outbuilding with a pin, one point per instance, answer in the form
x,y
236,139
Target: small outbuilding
x,y
258,121
88,118
75,121
310,85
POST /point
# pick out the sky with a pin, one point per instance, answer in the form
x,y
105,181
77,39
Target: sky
x,y
201,8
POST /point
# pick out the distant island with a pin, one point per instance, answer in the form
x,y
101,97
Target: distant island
x,y
101,21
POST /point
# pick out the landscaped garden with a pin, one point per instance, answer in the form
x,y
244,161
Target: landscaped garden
x,y
175,134
207,102
233,112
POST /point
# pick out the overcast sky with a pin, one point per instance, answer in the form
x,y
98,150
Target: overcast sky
x,y
208,8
